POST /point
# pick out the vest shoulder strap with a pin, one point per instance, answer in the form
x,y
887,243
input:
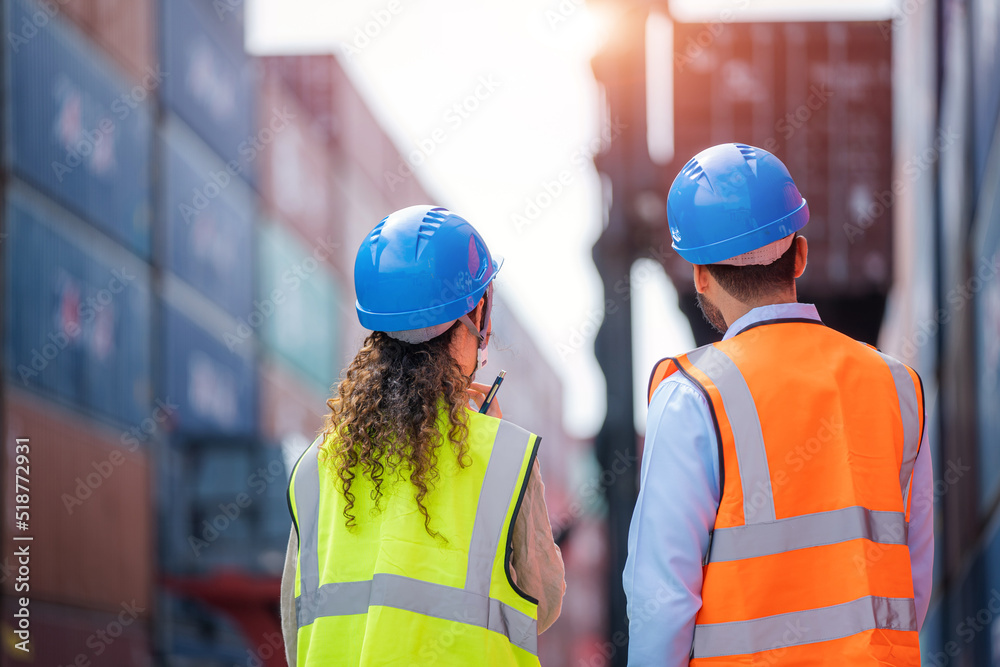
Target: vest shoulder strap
x,y
666,367
311,450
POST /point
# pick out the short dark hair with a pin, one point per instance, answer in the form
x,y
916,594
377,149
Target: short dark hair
x,y
754,282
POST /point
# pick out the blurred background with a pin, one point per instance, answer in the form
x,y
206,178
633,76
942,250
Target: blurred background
x,y
185,184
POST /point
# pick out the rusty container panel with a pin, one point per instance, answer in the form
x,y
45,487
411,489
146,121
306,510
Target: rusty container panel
x,y
90,508
819,96
291,409
313,80
64,635
123,28
294,173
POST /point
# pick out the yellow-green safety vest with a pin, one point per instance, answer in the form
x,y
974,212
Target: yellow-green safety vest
x,y
385,592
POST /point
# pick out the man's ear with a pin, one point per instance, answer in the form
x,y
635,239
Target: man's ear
x,y
701,278
801,255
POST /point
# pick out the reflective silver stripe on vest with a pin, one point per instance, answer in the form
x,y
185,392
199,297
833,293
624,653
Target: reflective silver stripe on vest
x,y
306,475
502,476
471,605
909,410
714,640
809,530
422,597
751,457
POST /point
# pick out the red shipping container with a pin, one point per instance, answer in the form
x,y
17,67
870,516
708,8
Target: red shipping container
x,y
288,407
89,506
312,79
819,96
124,28
294,175
63,635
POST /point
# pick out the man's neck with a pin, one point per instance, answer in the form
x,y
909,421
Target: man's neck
x,y
737,309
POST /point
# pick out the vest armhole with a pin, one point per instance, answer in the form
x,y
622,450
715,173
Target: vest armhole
x,y
510,529
923,406
921,398
656,377
295,524
291,477
715,423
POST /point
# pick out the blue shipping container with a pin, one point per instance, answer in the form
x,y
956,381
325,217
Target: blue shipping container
x,y
985,284
986,82
208,213
75,129
969,626
215,388
297,304
202,635
228,509
210,84
77,322
931,645
993,587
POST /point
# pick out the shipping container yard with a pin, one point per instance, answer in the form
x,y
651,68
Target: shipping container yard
x,y
181,213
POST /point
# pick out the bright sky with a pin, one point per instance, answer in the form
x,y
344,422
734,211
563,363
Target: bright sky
x,y
521,69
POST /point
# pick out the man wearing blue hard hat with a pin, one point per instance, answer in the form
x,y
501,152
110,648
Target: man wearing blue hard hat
x,y
420,532
785,508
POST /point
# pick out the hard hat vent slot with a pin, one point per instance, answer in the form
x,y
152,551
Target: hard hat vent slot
x,y
430,224
696,173
375,235
749,154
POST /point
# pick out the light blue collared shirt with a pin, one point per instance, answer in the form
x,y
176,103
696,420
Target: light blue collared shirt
x,y
675,513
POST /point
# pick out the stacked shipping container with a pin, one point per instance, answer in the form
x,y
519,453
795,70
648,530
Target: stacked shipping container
x,y
573,485
180,227
77,330
944,317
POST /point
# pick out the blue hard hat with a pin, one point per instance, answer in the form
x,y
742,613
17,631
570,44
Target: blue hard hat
x,y
730,199
419,267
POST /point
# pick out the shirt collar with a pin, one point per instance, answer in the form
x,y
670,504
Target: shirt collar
x,y
777,311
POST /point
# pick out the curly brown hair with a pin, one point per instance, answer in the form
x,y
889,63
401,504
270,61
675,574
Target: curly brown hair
x,y
384,416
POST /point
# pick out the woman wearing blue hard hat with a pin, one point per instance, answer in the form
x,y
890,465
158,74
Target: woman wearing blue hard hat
x,y
420,530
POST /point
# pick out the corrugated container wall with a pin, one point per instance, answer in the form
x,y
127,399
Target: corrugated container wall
x,y
985,21
90,513
124,28
212,384
298,300
291,411
196,629
294,173
314,81
944,315
818,95
233,492
208,214
75,128
211,80
985,283
78,312
70,636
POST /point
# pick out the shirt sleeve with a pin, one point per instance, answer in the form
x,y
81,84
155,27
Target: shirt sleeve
x,y
289,624
536,560
920,536
673,517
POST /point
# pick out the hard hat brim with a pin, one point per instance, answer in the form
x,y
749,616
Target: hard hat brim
x,y
755,238
430,316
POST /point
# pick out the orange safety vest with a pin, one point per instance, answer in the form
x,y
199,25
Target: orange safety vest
x,y
808,561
